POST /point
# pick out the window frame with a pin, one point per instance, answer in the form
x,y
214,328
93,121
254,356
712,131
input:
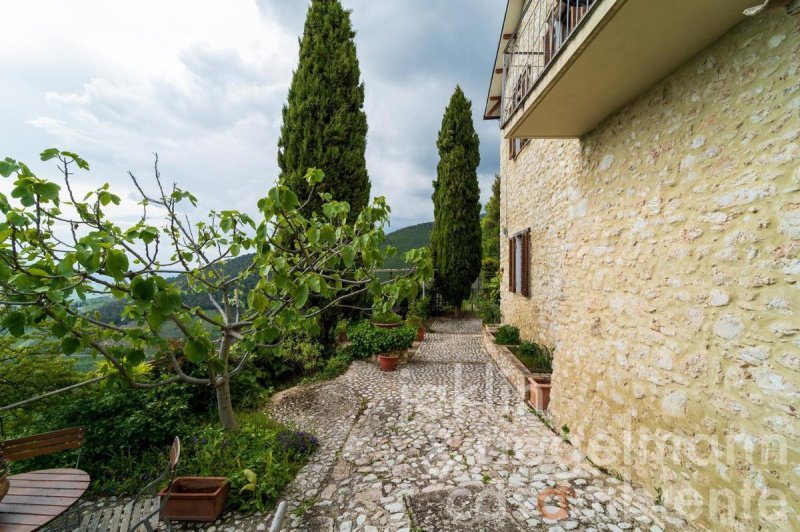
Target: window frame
x,y
519,263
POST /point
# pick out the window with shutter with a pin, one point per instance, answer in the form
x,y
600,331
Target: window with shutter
x,y
512,264
519,263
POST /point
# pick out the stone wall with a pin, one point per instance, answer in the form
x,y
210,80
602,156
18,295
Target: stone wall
x,y
665,261
509,365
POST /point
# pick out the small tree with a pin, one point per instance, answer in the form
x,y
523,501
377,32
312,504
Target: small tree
x,y
56,249
456,236
324,124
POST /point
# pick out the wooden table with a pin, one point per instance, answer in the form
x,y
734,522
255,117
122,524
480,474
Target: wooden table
x,y
36,498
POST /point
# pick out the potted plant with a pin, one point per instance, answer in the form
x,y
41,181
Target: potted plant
x,y
196,498
539,361
5,469
391,343
387,320
341,331
418,324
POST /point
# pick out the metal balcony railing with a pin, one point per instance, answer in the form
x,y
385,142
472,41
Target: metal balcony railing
x,y
545,27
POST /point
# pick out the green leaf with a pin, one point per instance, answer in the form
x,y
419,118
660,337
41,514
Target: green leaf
x,y
143,289
69,345
8,167
134,356
117,264
251,477
196,350
15,323
49,153
301,296
348,255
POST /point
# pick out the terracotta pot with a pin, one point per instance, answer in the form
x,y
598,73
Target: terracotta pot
x,y
420,334
540,392
342,337
387,325
196,498
387,362
4,485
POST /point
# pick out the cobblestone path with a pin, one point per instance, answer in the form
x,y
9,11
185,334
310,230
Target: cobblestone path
x,y
443,444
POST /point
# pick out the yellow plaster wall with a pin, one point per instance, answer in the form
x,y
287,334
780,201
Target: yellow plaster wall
x,y
665,262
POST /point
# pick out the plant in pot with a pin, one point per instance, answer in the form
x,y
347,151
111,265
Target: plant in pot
x,y
507,335
341,331
539,361
418,324
5,470
387,320
391,342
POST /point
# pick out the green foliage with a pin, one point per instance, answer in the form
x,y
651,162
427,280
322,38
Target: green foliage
x,y
487,310
367,340
260,459
342,326
535,357
490,267
389,318
490,226
121,428
420,307
295,259
324,124
507,335
456,237
337,364
415,322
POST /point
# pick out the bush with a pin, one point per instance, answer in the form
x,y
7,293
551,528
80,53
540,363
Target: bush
x,y
367,340
535,357
415,322
487,310
337,364
420,307
260,459
507,335
387,318
126,432
490,266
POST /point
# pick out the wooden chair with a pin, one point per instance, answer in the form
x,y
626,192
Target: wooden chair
x,y
143,512
43,444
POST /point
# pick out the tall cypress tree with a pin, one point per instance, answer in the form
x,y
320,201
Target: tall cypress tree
x,y
456,236
324,124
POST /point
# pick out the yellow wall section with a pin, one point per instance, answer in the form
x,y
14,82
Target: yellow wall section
x,y
665,262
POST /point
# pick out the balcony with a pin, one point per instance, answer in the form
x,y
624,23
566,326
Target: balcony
x,y
563,66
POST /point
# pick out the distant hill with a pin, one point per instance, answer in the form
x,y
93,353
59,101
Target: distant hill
x,y
406,239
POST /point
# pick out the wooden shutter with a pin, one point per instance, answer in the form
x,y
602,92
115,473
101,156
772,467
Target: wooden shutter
x,y
512,264
526,263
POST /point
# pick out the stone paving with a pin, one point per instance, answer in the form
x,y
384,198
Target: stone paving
x,y
442,444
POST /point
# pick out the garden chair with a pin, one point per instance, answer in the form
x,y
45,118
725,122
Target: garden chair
x,y
143,512
43,444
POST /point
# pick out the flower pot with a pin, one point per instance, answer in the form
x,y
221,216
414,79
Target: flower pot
x,y
341,337
540,392
387,325
387,362
420,334
196,498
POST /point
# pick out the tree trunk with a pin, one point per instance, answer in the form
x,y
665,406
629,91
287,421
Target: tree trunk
x,y
227,417
458,310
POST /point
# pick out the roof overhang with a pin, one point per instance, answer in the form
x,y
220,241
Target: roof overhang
x,y
510,22
623,48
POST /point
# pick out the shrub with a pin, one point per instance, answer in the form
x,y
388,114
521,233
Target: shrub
x,y
368,340
487,310
490,266
260,459
535,357
387,317
123,428
420,307
507,335
337,364
415,322
342,326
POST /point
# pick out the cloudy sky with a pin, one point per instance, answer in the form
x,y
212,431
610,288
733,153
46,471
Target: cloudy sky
x,y
202,83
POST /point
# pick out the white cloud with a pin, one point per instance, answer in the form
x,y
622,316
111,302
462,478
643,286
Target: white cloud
x,y
202,83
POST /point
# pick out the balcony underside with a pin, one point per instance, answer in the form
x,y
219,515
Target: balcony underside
x,y
623,48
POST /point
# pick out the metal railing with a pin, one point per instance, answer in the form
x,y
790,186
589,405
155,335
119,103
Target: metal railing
x,y
544,28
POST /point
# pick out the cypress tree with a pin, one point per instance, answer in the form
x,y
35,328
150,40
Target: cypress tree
x,y
456,236
324,124
490,232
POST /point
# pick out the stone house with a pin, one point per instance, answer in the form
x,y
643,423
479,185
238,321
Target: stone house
x,y
650,221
